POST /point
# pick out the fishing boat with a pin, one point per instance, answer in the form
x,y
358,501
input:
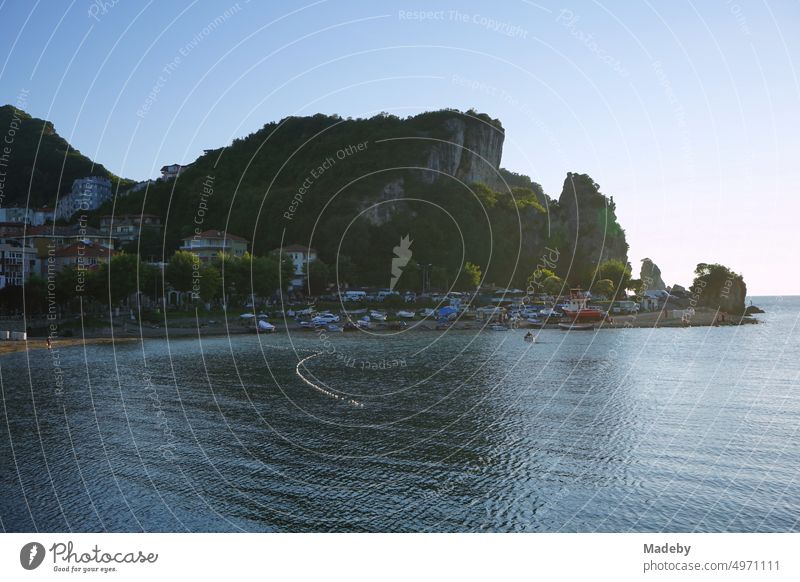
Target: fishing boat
x,y
576,326
577,310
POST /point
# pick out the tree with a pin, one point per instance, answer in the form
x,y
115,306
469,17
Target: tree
x,y
210,283
469,278
604,287
317,277
181,269
265,275
537,278
553,285
35,294
120,275
150,281
409,278
346,271
635,285
615,271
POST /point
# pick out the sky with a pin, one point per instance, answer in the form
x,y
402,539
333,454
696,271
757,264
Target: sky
x,y
687,113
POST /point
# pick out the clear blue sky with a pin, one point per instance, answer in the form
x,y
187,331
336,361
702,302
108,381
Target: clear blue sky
x,y
688,113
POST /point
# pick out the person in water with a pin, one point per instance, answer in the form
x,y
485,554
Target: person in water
x,y
528,336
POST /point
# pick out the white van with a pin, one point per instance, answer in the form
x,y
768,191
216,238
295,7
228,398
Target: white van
x,y
354,295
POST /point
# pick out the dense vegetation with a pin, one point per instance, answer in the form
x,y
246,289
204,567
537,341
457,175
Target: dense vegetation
x,y
353,188
40,161
301,180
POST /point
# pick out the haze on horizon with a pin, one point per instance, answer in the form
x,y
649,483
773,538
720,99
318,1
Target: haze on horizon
x,y
687,114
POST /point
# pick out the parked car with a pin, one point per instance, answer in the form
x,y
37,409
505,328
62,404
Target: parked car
x,y
325,319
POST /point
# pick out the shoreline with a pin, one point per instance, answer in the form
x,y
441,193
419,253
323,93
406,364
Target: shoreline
x,y
129,333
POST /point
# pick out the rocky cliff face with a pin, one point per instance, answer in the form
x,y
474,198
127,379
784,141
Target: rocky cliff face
x,y
591,233
650,274
471,152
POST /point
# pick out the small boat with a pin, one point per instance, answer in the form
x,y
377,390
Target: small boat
x,y
334,328
498,327
427,312
265,327
377,315
530,338
405,314
576,326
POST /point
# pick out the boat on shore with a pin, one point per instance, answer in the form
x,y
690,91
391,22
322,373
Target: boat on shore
x,y
576,326
577,310
404,313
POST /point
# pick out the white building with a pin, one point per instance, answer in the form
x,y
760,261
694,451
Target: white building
x,y
17,262
87,194
208,245
300,256
172,171
16,214
32,216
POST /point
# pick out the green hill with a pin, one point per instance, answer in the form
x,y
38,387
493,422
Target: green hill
x,y
40,161
354,187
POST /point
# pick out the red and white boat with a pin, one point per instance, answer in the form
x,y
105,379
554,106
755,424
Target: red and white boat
x,y
576,309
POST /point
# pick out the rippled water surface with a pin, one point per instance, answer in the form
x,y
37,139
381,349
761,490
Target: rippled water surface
x,y
614,430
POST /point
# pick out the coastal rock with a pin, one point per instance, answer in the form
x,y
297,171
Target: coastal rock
x,y
718,287
650,275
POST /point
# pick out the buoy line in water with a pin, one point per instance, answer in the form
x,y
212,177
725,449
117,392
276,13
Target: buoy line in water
x,y
322,390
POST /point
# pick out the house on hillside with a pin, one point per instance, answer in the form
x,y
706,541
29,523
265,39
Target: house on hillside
x,y
172,171
32,216
46,237
126,228
210,243
82,255
301,256
87,194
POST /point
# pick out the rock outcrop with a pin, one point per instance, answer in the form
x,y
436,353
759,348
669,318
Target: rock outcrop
x,y
650,275
470,151
592,234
